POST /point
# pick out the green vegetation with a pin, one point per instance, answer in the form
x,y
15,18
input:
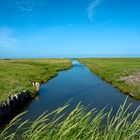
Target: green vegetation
x,y
78,125
16,75
123,73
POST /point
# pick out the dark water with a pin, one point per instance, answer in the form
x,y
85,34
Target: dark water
x,y
77,84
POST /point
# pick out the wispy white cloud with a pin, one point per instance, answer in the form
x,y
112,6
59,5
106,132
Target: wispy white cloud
x,y
92,7
27,7
7,41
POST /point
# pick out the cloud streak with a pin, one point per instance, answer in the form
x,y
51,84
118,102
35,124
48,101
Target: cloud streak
x,y
91,9
27,7
7,41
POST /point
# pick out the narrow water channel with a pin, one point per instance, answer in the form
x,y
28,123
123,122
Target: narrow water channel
x,y
75,85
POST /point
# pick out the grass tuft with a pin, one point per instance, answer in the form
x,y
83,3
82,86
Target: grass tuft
x,y
79,125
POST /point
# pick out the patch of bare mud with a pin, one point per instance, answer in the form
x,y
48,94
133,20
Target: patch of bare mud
x,y
132,79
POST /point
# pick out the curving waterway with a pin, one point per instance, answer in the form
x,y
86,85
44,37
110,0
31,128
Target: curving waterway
x,y
72,86
77,84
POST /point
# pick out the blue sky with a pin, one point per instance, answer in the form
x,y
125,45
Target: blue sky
x,y
69,28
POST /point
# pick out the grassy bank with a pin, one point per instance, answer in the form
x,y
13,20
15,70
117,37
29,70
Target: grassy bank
x,y
123,73
78,125
16,75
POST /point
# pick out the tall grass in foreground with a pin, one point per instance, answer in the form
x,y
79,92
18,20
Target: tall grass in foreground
x,y
79,125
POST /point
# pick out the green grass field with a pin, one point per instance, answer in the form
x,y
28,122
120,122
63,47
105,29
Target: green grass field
x,y
113,70
16,75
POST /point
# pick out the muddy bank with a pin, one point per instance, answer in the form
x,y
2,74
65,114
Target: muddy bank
x,y
133,79
15,102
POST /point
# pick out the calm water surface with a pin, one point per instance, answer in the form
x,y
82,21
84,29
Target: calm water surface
x,y
77,84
